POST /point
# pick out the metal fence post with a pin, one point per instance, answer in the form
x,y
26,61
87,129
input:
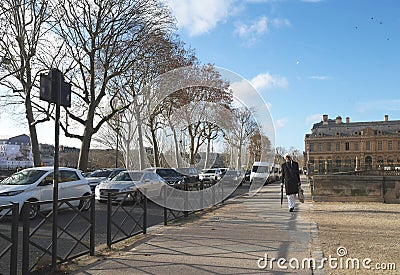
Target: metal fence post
x,y
109,209
165,207
14,239
25,237
144,211
93,224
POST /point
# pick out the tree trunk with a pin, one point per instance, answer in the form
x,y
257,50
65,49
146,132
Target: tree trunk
x,y
191,148
207,154
85,147
142,153
239,156
156,160
32,131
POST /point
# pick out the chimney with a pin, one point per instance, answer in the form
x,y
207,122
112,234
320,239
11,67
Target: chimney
x,y
325,119
347,120
386,118
338,120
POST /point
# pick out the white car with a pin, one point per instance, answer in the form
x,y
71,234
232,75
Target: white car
x,y
36,184
210,174
130,181
98,176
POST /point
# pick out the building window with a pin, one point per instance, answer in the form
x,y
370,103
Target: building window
x,y
380,145
329,146
368,145
390,145
337,146
380,162
398,145
356,146
311,147
390,161
320,147
347,145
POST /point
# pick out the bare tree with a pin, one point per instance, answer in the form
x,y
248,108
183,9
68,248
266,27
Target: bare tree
x,y
101,39
243,125
24,42
259,147
198,99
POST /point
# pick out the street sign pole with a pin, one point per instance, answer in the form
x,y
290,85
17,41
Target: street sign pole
x,y
53,89
57,78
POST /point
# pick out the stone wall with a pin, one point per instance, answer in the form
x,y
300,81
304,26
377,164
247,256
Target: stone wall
x,y
356,188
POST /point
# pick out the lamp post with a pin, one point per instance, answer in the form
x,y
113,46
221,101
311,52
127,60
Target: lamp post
x,y
117,147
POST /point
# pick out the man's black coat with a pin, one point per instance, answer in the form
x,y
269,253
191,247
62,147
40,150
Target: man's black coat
x,y
291,177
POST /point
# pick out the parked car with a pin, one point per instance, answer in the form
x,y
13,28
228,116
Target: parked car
x,y
210,174
191,173
247,175
96,177
170,175
130,181
36,184
260,172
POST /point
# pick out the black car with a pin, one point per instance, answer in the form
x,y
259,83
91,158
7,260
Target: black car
x,y
170,175
191,173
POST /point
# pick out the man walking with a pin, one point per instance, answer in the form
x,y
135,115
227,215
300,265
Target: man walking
x,y
291,179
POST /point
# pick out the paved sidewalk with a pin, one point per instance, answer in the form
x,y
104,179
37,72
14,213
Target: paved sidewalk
x,y
228,240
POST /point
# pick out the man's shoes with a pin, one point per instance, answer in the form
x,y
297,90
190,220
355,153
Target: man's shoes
x,y
291,209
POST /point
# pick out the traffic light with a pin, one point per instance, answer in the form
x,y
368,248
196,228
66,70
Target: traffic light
x,y
51,85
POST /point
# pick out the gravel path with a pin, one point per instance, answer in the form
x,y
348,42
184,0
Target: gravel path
x,y
364,230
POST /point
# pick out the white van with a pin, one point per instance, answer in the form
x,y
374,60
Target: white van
x,y
260,172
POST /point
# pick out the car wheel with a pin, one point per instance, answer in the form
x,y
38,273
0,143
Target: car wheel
x,y
84,203
33,210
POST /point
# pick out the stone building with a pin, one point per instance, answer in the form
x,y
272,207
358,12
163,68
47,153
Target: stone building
x,y
15,152
337,146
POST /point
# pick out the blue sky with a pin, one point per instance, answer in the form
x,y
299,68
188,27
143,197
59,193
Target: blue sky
x,y
305,58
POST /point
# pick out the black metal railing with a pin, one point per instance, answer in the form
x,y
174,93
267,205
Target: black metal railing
x,y
9,238
126,215
75,233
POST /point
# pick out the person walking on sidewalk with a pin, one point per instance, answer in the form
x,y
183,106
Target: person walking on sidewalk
x,y
291,179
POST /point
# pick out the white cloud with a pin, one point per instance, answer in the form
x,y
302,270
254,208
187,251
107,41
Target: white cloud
x,y
251,32
320,77
199,17
280,123
314,118
267,81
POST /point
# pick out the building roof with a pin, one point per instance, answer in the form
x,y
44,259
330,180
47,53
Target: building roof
x,y
335,127
21,139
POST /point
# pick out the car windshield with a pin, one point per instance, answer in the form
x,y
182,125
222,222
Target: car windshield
x,y
136,176
260,169
100,173
168,173
209,171
24,177
114,173
125,176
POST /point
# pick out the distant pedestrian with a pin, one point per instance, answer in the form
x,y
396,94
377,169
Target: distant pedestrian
x,y
291,179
